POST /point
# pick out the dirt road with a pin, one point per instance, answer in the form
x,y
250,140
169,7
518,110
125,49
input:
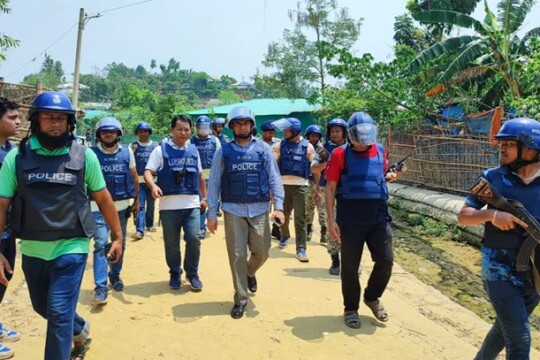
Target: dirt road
x,y
296,314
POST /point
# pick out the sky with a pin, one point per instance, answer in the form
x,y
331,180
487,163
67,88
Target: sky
x,y
215,36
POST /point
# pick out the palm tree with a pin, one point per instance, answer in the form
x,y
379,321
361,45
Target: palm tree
x,y
495,47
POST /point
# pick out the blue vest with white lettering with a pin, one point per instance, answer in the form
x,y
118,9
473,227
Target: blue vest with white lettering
x,y
511,187
206,147
363,177
245,179
142,154
293,159
51,201
180,172
115,168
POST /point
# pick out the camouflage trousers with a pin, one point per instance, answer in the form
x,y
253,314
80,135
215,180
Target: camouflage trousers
x,y
312,205
332,247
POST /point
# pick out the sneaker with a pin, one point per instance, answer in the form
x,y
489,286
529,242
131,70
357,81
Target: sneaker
x,y
100,297
283,242
152,229
138,235
9,335
175,282
302,256
116,283
195,282
5,352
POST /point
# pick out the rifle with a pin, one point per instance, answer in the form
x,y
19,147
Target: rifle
x,y
487,193
398,166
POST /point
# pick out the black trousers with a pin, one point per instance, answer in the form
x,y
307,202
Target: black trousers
x,y
8,248
379,242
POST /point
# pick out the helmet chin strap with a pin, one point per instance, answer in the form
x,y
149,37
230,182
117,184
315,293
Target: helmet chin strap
x,y
519,162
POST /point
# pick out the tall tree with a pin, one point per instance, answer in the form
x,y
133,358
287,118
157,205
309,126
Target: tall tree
x,y
304,57
6,42
494,49
51,74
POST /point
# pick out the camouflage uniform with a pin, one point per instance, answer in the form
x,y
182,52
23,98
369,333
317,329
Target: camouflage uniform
x,y
332,247
312,204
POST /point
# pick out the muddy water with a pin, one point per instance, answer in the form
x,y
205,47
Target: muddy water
x,y
451,267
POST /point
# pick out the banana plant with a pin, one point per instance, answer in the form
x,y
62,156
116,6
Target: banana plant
x,y
494,48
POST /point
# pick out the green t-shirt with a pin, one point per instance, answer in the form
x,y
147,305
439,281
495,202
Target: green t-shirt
x,y
49,250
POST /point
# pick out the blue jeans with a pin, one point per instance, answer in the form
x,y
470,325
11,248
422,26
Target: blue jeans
x,y
145,218
172,222
101,238
511,330
54,288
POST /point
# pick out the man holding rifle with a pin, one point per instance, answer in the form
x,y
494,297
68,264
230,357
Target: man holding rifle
x,y
512,292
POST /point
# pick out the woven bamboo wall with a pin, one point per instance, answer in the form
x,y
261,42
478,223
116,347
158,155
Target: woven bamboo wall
x,y
443,162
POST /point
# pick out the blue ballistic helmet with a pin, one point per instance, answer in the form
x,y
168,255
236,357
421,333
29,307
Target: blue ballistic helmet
x,y
203,120
267,126
361,129
203,125
336,122
108,124
524,130
143,126
55,102
219,121
240,113
313,129
292,124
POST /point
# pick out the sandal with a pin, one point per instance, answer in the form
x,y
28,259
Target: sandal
x,y
78,352
378,309
352,319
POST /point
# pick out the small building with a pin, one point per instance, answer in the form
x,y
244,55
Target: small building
x,y
267,109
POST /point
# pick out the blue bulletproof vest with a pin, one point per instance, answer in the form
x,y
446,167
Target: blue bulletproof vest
x,y
293,159
51,201
223,139
511,187
142,154
206,148
180,172
4,151
363,177
245,179
115,169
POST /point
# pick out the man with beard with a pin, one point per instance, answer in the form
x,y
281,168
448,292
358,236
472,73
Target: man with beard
x,y
142,148
46,179
119,169
9,125
244,173
294,155
513,294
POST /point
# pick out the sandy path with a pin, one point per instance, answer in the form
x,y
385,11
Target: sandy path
x,y
296,314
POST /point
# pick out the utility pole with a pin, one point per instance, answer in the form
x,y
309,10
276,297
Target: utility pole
x,y
83,19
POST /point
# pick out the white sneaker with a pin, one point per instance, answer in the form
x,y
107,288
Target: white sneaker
x,y
5,352
9,335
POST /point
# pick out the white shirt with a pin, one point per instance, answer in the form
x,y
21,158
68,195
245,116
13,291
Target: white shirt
x,y
172,202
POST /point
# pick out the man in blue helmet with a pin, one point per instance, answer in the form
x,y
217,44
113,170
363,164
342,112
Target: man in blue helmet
x,y
357,180
206,144
294,155
244,173
512,294
268,133
142,148
51,171
336,136
179,184
315,191
9,125
119,169
217,130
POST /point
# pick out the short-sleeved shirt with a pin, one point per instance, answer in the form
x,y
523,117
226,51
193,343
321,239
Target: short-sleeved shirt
x,y
173,202
49,250
356,212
